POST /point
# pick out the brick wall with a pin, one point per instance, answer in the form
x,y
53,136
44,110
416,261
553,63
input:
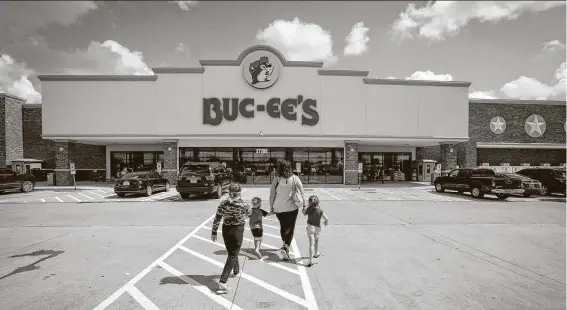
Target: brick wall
x,y
34,146
515,116
351,163
88,156
11,143
428,152
169,169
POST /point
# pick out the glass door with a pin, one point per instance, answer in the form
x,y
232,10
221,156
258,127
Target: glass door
x,y
318,166
300,164
276,154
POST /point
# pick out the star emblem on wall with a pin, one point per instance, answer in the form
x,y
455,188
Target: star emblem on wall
x,y
535,126
497,125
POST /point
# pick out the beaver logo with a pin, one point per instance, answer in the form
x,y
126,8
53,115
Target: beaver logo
x,y
261,70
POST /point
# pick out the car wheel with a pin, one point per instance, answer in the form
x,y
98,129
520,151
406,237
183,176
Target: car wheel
x,y
120,194
184,195
502,196
527,195
439,187
476,192
149,190
544,190
27,186
218,192
167,186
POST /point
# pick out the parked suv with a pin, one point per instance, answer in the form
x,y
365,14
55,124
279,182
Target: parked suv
x,y
10,180
203,178
552,179
479,182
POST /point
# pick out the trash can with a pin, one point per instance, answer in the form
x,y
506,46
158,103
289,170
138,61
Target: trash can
x,y
50,179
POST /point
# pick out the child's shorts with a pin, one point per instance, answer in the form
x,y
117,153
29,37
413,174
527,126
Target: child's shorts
x,y
257,233
313,230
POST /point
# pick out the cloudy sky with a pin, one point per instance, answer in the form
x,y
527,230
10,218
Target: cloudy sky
x,y
508,49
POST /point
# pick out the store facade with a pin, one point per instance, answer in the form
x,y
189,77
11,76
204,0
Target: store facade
x,y
248,113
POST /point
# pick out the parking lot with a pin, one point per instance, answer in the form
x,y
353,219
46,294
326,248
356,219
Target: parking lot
x,y
385,248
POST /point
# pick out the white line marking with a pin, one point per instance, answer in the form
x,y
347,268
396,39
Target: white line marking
x,y
263,244
353,194
74,198
250,278
201,288
305,283
140,275
85,196
274,227
59,199
106,194
250,256
43,200
141,298
330,194
93,193
271,219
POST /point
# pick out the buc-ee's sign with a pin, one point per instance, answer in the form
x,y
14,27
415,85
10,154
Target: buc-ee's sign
x,y
215,110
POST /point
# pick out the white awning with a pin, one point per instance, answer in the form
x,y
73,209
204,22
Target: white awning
x,y
502,145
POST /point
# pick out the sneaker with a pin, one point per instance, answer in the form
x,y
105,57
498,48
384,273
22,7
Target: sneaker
x,y
317,255
223,288
235,274
285,253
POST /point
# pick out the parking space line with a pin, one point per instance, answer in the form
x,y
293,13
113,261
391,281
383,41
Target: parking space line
x,y
336,198
43,200
353,194
105,303
248,229
74,198
250,256
250,278
305,283
59,199
141,298
93,193
85,196
201,288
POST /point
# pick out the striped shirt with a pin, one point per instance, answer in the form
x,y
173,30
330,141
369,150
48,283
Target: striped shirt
x,y
234,212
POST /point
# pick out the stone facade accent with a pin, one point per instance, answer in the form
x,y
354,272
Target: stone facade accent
x,y
466,154
35,146
63,177
516,157
448,157
351,162
428,152
170,169
11,141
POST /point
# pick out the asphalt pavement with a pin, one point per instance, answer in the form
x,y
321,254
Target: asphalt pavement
x,y
450,253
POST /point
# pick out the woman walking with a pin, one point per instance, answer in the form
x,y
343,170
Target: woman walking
x,y
286,197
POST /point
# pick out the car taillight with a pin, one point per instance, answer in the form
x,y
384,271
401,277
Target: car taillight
x,y
493,183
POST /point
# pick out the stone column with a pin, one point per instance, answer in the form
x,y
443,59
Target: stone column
x,y
169,169
63,175
351,163
448,156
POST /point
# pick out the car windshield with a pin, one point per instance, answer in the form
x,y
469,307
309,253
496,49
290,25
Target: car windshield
x,y
195,169
135,175
560,173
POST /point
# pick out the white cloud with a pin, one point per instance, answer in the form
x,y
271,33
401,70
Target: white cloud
x,y
530,88
439,19
552,46
185,5
357,40
19,18
181,47
429,76
299,41
482,95
14,79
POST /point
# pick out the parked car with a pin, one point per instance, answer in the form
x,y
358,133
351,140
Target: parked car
x,y
141,182
552,179
203,178
478,182
11,180
530,186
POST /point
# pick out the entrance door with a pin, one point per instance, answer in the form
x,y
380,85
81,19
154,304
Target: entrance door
x,y
427,171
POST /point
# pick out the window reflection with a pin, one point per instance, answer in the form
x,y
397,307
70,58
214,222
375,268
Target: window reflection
x,y
394,166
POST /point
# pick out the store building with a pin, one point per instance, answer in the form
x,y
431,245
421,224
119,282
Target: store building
x,y
252,111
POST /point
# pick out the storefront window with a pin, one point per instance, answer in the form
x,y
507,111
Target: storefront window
x,y
335,167
318,166
122,162
395,166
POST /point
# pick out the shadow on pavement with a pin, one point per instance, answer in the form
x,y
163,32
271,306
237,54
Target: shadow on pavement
x,y
208,281
33,266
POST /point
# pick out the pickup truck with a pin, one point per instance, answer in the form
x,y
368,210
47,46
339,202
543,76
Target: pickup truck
x,y
478,182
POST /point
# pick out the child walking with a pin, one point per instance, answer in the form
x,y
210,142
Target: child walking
x,y
314,215
256,226
234,210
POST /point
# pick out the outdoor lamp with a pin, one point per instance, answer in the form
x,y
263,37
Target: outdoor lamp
x,y
169,148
